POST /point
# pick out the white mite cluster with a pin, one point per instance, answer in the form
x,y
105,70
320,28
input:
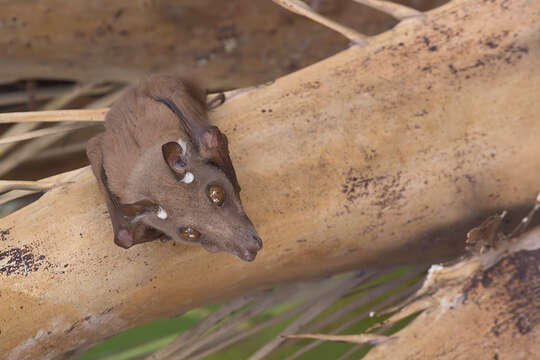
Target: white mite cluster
x,y
162,214
189,177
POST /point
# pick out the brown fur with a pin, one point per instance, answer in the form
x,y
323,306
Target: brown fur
x,y
135,178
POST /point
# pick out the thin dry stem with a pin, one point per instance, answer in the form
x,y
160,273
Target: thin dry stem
x,y
8,185
200,328
301,8
404,293
319,306
64,178
42,132
36,145
371,295
45,93
60,151
397,11
357,339
57,103
54,116
244,334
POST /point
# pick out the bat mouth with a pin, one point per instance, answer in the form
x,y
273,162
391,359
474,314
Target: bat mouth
x,y
249,252
245,253
247,256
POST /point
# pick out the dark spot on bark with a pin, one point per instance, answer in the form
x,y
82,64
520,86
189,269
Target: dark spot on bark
x,y
385,191
310,85
4,234
491,44
486,280
21,261
226,32
523,325
301,240
118,13
516,276
433,48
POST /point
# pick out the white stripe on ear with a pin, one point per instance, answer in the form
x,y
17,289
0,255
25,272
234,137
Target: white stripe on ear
x,y
189,177
183,145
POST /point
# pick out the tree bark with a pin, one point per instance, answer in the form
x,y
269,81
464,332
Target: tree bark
x,y
485,307
380,155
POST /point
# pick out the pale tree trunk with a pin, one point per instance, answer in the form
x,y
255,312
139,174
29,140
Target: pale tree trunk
x,y
380,155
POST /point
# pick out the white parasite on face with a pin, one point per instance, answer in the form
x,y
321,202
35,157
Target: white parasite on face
x,y
161,213
188,178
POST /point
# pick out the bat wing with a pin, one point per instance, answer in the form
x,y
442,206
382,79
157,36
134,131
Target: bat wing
x,y
126,232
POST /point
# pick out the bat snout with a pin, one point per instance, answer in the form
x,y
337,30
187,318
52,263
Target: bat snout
x,y
249,247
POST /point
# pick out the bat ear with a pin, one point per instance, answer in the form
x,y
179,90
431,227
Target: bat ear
x,y
174,157
212,139
214,147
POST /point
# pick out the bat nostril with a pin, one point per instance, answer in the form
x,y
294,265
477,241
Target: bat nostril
x,y
258,240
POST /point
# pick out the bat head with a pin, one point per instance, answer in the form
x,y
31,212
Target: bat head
x,y
196,199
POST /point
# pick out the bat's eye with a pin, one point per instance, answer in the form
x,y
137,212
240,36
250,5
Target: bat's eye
x,y
189,234
216,194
